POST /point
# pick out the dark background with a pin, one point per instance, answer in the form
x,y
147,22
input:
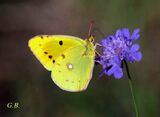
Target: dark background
x,y
24,80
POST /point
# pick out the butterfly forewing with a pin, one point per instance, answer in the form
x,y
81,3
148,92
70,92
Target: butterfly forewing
x,y
47,48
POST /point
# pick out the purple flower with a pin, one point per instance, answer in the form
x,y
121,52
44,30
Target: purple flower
x,y
119,47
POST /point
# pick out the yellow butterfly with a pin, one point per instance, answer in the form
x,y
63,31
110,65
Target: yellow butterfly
x,y
69,58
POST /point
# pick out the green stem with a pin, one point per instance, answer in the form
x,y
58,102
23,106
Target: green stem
x,y
131,88
133,97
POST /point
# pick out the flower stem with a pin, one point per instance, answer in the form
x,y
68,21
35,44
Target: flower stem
x,y
133,97
131,88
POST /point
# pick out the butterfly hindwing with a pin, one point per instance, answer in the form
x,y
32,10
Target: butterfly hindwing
x,y
73,69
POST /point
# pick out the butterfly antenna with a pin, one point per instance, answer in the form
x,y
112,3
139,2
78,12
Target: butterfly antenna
x,y
90,28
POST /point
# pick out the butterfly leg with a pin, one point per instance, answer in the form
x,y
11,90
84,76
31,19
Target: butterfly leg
x,y
97,44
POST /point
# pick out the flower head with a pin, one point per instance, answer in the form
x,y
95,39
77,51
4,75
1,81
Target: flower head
x,y
119,47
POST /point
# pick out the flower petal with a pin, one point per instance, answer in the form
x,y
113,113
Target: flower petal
x,y
135,34
129,42
118,73
101,73
111,71
118,34
135,48
111,38
137,56
126,33
104,42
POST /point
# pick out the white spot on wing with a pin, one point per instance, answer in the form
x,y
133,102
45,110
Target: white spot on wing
x,y
70,66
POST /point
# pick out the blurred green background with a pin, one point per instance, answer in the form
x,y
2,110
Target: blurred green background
x,y
24,80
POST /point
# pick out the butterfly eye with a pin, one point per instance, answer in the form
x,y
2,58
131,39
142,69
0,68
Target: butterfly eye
x,y
91,39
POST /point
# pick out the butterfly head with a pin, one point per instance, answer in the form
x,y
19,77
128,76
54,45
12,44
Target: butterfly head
x,y
89,46
91,39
